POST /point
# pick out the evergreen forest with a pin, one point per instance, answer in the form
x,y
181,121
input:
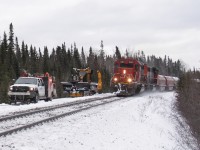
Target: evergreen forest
x,y
60,61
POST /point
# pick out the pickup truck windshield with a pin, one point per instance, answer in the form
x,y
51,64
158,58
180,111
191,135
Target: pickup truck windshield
x,y
26,81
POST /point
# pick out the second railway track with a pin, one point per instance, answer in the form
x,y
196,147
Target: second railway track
x,y
14,123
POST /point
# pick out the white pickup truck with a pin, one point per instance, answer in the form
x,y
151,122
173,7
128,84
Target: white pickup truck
x,y
26,90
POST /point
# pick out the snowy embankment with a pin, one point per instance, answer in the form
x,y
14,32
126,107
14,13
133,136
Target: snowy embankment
x,y
148,121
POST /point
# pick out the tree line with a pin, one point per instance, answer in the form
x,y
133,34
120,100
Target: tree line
x,y
61,60
188,101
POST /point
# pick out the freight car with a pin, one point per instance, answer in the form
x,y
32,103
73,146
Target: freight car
x,y
131,75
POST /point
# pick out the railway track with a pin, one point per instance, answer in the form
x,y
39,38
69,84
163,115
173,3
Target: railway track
x,y
25,120
49,108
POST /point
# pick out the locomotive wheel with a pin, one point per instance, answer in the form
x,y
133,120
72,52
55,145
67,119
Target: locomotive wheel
x,y
138,89
131,91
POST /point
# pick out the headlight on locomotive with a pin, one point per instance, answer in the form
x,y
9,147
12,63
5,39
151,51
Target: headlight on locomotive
x,y
115,79
129,80
124,71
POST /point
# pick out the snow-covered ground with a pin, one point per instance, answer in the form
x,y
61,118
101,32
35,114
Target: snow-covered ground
x,y
6,109
148,121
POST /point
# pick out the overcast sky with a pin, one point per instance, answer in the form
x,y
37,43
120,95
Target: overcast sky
x,y
159,27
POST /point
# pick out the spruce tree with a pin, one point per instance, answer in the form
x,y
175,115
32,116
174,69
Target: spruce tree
x,y
18,51
76,57
10,46
65,61
117,53
40,62
46,60
33,60
83,59
101,57
53,62
90,59
4,49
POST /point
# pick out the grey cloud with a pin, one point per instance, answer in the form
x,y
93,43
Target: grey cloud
x,y
166,27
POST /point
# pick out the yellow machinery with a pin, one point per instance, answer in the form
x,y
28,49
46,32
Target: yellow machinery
x,y
99,85
78,87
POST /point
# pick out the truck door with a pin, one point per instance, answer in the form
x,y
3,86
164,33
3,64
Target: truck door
x,y
41,89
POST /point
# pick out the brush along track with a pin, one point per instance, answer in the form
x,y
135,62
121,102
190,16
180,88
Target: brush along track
x,y
10,125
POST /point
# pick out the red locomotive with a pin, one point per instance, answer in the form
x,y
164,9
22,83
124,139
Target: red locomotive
x,y
131,75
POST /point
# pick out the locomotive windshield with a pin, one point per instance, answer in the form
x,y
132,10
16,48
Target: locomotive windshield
x,y
26,81
123,65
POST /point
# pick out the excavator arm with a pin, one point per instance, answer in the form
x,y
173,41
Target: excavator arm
x,y
99,86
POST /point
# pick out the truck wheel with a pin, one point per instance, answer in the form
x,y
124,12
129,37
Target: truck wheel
x,y
12,102
28,101
49,98
36,98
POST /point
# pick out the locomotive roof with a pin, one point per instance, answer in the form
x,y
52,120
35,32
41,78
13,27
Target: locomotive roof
x,y
129,59
126,60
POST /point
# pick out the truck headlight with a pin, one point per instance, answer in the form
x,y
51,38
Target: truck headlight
x,y
31,89
11,88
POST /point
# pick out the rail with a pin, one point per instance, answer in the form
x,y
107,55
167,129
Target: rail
x,y
85,105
